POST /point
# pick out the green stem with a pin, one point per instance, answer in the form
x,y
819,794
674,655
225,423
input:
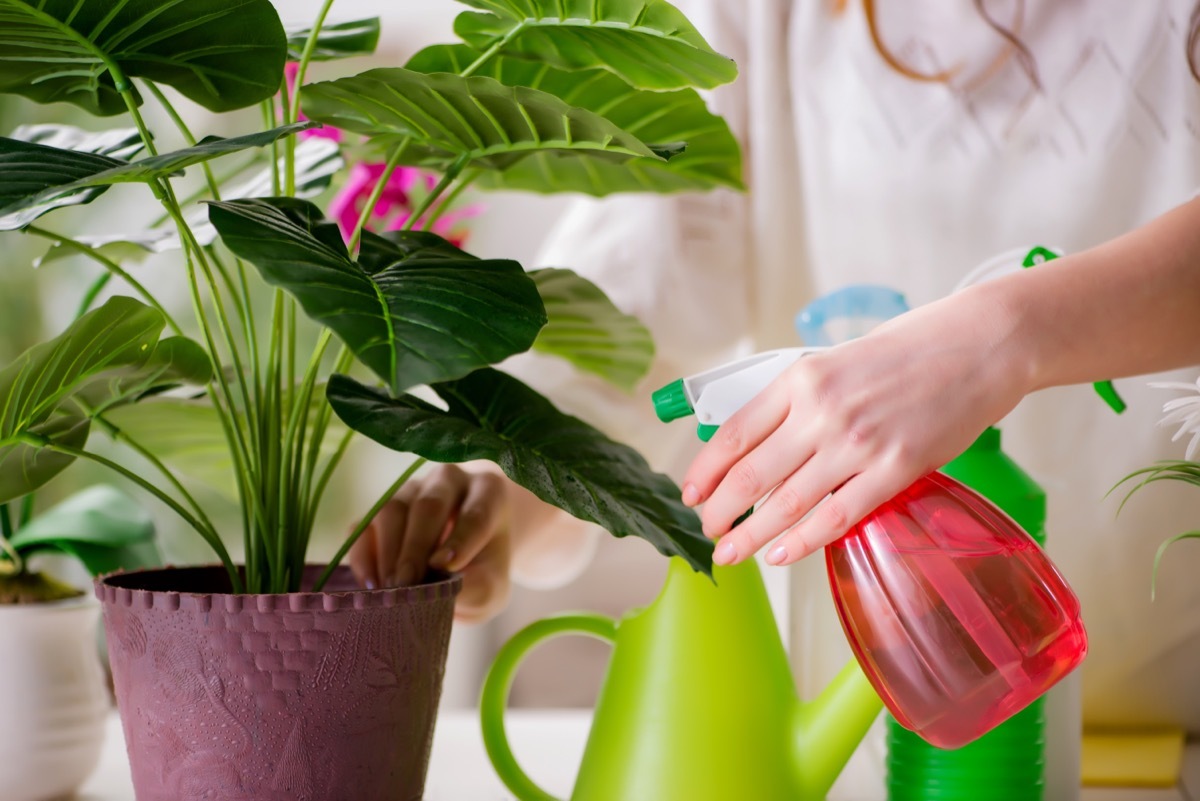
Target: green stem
x,y
6,523
213,541
109,265
310,46
93,292
496,47
187,133
376,193
366,521
6,547
117,435
26,511
268,109
432,197
450,199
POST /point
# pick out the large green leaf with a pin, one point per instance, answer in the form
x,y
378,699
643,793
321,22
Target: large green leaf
x,y
561,459
712,157
110,355
357,37
586,329
649,43
101,526
35,177
223,54
445,118
315,161
412,319
119,143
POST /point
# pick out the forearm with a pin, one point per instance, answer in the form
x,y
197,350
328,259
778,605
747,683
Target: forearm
x,y
1127,307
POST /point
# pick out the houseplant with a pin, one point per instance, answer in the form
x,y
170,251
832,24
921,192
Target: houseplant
x,y
540,95
52,729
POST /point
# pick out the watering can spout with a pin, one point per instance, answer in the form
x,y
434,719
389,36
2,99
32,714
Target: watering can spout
x,y
829,728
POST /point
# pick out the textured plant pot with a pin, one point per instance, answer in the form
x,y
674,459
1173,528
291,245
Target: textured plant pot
x,y
328,696
54,700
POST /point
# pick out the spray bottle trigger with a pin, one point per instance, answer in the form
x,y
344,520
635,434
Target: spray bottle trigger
x,y
705,432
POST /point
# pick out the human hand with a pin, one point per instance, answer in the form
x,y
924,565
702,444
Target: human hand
x,y
449,519
857,423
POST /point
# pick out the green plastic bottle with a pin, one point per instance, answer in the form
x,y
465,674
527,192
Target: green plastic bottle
x,y
1008,763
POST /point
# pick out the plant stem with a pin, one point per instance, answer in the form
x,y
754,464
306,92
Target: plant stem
x,y
449,200
486,55
109,265
268,109
210,537
310,45
366,521
6,524
187,134
93,292
6,547
376,193
26,511
432,197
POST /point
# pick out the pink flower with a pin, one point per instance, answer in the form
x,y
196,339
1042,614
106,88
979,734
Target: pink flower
x,y
326,132
396,202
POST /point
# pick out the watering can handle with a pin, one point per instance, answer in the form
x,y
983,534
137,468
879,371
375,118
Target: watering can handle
x,y
494,699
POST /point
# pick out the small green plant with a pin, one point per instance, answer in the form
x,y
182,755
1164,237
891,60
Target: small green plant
x,y
539,95
100,526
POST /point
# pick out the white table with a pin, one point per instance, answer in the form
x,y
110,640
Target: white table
x,y
549,745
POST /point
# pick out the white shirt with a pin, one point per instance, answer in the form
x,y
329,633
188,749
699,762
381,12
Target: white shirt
x,y
859,174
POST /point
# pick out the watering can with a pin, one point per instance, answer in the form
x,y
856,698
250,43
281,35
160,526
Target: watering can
x,y
662,732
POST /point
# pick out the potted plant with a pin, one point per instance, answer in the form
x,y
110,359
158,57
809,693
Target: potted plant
x,y
273,678
52,729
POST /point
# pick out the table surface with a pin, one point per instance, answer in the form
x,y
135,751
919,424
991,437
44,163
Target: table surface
x,y
550,744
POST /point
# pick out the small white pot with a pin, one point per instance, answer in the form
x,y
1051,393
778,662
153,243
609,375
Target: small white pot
x,y
53,702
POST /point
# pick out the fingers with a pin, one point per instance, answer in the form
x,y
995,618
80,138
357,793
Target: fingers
x,y
736,437
431,505
364,559
754,475
480,516
486,584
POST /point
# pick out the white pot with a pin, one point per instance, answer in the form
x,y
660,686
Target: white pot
x,y
53,701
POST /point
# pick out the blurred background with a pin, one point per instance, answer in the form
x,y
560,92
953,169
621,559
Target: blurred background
x,y
39,302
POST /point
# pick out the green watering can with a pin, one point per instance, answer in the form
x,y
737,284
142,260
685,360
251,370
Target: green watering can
x,y
663,731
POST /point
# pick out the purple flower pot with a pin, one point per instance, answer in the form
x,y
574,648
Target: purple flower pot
x,y
295,697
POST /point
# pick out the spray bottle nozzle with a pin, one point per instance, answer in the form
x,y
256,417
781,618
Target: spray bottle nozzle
x,y
671,402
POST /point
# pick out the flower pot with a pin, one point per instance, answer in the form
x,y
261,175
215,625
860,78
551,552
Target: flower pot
x,y
293,697
54,698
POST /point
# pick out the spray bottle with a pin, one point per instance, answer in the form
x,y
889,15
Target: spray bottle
x,y
1035,754
955,615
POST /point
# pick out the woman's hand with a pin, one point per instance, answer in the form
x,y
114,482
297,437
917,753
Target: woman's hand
x,y
449,519
857,423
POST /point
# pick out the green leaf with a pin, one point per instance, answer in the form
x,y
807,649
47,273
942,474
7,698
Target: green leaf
x,y
42,175
1162,550
712,157
222,54
119,143
561,459
586,329
649,43
412,319
316,161
101,526
357,37
446,118
110,355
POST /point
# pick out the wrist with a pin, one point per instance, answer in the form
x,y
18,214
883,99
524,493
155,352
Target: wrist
x,y
1018,328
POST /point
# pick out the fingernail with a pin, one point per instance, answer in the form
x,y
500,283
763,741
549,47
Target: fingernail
x,y
725,553
777,555
369,584
442,558
691,495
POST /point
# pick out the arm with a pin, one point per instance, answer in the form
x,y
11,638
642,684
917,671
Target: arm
x,y
862,421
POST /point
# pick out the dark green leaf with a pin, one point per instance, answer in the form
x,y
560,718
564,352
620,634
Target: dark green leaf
x,y
411,319
357,37
110,355
649,43
445,118
316,161
1162,550
35,178
712,157
102,526
223,54
586,329
561,459
119,143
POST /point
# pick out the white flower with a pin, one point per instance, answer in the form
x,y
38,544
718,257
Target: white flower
x,y
1185,411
